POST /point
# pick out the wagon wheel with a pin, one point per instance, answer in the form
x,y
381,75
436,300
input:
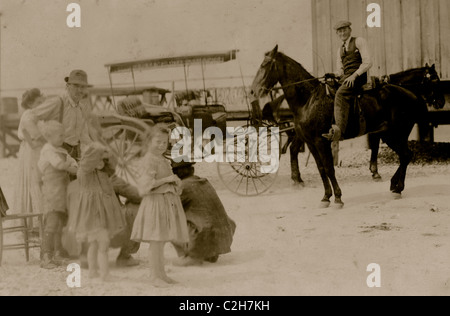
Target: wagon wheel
x,y
125,144
246,178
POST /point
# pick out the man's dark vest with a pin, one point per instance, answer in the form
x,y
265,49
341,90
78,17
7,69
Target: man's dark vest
x,y
352,60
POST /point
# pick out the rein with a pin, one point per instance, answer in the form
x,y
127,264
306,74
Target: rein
x,y
292,84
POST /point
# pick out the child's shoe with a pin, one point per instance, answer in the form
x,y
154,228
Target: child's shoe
x,y
47,263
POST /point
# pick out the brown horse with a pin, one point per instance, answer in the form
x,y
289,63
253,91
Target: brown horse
x,y
313,115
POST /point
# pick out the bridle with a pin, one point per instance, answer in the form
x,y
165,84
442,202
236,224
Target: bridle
x,y
426,85
273,64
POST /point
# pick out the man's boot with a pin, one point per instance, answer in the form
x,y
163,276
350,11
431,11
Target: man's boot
x,y
47,263
61,256
125,259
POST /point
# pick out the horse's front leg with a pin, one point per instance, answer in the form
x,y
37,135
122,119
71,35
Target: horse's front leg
x,y
294,151
374,145
323,174
324,148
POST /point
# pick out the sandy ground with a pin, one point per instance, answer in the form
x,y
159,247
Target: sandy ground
x,y
286,245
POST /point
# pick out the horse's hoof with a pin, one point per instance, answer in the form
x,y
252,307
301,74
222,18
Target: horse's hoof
x,y
396,196
325,204
376,177
338,205
297,184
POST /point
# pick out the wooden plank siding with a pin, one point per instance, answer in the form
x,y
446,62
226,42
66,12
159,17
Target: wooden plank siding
x,y
412,33
444,38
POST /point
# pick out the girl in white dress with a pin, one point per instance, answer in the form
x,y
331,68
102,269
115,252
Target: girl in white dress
x,y
161,216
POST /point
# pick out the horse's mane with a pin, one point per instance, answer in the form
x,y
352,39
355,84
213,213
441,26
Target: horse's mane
x,y
295,63
409,71
312,92
398,76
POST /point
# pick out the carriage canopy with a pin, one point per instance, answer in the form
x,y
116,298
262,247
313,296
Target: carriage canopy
x,y
194,59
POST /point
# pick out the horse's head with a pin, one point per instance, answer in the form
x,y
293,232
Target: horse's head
x,y
267,76
432,90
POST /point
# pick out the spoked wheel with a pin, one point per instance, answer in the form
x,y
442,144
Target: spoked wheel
x,y
125,143
252,175
246,178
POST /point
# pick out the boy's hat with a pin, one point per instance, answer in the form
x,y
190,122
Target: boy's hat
x,y
78,77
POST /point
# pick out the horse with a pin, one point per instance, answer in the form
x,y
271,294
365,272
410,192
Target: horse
x,y
424,82
313,112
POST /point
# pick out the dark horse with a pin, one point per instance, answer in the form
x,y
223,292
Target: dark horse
x,y
424,82
313,114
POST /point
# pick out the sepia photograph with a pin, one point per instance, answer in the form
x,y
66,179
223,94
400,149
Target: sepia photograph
x,y
224,148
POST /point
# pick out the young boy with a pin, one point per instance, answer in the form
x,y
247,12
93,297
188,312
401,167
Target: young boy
x,y
55,164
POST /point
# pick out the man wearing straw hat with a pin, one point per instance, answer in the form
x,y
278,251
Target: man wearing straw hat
x,y
73,111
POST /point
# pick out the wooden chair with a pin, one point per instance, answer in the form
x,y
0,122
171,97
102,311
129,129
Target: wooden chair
x,y
25,229
9,123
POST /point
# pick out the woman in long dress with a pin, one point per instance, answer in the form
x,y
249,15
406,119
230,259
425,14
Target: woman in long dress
x,y
28,196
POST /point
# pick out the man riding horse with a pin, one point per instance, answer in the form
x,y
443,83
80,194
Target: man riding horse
x,y
353,62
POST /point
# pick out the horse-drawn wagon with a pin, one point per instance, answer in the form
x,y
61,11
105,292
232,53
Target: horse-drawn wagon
x,y
124,133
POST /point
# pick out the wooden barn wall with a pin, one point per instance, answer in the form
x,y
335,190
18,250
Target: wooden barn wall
x,y
412,33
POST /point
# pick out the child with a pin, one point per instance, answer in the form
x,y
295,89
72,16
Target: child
x,y
161,216
55,164
97,215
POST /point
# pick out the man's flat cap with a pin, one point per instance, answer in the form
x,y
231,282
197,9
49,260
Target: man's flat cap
x,y
342,24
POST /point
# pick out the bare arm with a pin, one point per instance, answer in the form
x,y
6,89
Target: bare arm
x,y
147,180
59,161
362,46
339,65
126,190
49,110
